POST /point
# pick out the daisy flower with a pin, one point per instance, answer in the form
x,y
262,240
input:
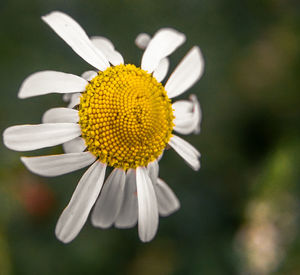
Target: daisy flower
x,y
120,116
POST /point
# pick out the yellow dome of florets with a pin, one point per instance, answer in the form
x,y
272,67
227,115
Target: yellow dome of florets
x,y
126,117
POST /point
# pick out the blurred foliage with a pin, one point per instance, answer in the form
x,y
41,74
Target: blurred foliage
x,y
239,213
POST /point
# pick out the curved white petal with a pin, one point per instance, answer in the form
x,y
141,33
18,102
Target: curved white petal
x,y
47,82
72,33
185,126
75,145
181,107
162,69
31,137
108,205
188,152
56,165
142,40
128,214
153,170
187,145
108,49
147,206
75,214
167,201
163,43
60,115
75,100
187,120
189,70
89,75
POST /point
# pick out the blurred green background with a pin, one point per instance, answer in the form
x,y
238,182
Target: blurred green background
x,y
240,212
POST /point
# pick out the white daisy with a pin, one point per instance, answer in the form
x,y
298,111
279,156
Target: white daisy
x,y
120,116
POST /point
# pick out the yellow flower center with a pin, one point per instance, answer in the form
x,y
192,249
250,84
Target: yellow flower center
x,y
126,117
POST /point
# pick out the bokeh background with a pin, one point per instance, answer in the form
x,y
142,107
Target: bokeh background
x,y
240,212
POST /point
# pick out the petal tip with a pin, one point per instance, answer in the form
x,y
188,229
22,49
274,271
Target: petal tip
x,y
145,238
98,224
43,17
61,237
197,167
23,160
7,138
21,94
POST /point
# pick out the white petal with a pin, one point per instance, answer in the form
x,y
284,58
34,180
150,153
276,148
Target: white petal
x,y
153,169
163,43
47,82
147,205
182,107
89,75
184,127
103,41
128,214
108,205
108,49
183,118
56,165
72,33
162,69
142,40
75,145
59,115
75,100
187,121
31,137
189,70
189,153
167,201
75,214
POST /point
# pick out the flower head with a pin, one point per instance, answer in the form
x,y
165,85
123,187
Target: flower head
x,y
122,117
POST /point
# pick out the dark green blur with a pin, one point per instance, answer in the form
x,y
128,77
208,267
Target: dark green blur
x,y
240,213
